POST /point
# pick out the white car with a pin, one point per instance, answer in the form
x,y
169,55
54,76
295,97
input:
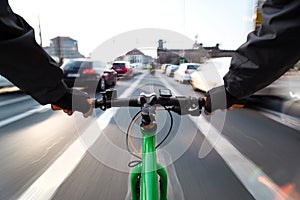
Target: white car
x,y
4,82
183,73
164,68
137,68
210,74
171,69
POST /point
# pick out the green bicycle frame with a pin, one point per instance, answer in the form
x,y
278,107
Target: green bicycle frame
x,y
148,171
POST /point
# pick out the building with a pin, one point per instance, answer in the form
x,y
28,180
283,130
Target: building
x,y
198,53
63,47
257,15
135,56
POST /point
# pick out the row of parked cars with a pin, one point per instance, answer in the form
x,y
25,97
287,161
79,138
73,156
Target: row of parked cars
x,y
202,76
92,74
207,75
95,74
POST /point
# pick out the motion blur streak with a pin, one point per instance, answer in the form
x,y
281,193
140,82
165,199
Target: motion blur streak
x,y
284,192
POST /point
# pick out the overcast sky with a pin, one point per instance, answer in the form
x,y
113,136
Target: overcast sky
x,y
92,22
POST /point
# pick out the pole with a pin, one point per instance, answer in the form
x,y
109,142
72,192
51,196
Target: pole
x,y
40,32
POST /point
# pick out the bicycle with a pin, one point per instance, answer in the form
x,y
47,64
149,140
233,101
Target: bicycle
x,y
144,176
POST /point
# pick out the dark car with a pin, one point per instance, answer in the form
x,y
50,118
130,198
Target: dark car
x,y
123,68
88,73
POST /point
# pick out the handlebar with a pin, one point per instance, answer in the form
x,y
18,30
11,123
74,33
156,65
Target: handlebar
x,y
181,105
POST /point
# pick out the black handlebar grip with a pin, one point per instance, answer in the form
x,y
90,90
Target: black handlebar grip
x,y
125,102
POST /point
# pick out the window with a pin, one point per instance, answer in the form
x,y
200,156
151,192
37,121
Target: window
x,y
192,66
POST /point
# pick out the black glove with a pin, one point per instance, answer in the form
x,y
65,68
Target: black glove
x,y
74,100
219,98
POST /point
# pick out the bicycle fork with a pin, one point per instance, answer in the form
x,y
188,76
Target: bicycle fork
x,y
144,177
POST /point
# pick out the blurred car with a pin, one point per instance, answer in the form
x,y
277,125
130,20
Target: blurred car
x,y
171,69
137,68
210,74
164,68
4,82
123,69
183,73
88,73
287,86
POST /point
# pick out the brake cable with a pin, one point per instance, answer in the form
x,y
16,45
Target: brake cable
x,y
170,129
136,153
128,133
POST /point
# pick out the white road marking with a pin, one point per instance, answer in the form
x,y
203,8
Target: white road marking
x,y
250,175
45,186
22,115
15,100
287,120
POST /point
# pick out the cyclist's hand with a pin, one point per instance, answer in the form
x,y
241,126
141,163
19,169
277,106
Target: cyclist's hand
x,y
219,98
75,100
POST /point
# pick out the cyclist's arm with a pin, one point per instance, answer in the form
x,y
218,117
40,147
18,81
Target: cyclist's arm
x,y
29,67
269,52
24,62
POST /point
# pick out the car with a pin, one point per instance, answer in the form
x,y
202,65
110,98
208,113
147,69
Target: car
x,y
164,68
137,68
210,74
88,73
183,73
171,69
123,69
4,82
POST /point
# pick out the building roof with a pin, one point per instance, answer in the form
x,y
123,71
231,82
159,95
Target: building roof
x,y
134,52
63,38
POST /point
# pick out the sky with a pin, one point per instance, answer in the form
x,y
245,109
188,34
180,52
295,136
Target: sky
x,y
94,22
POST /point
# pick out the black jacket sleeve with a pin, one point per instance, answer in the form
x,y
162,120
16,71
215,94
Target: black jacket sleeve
x,y
24,62
269,51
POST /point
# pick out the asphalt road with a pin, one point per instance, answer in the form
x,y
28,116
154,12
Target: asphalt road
x,y
250,141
